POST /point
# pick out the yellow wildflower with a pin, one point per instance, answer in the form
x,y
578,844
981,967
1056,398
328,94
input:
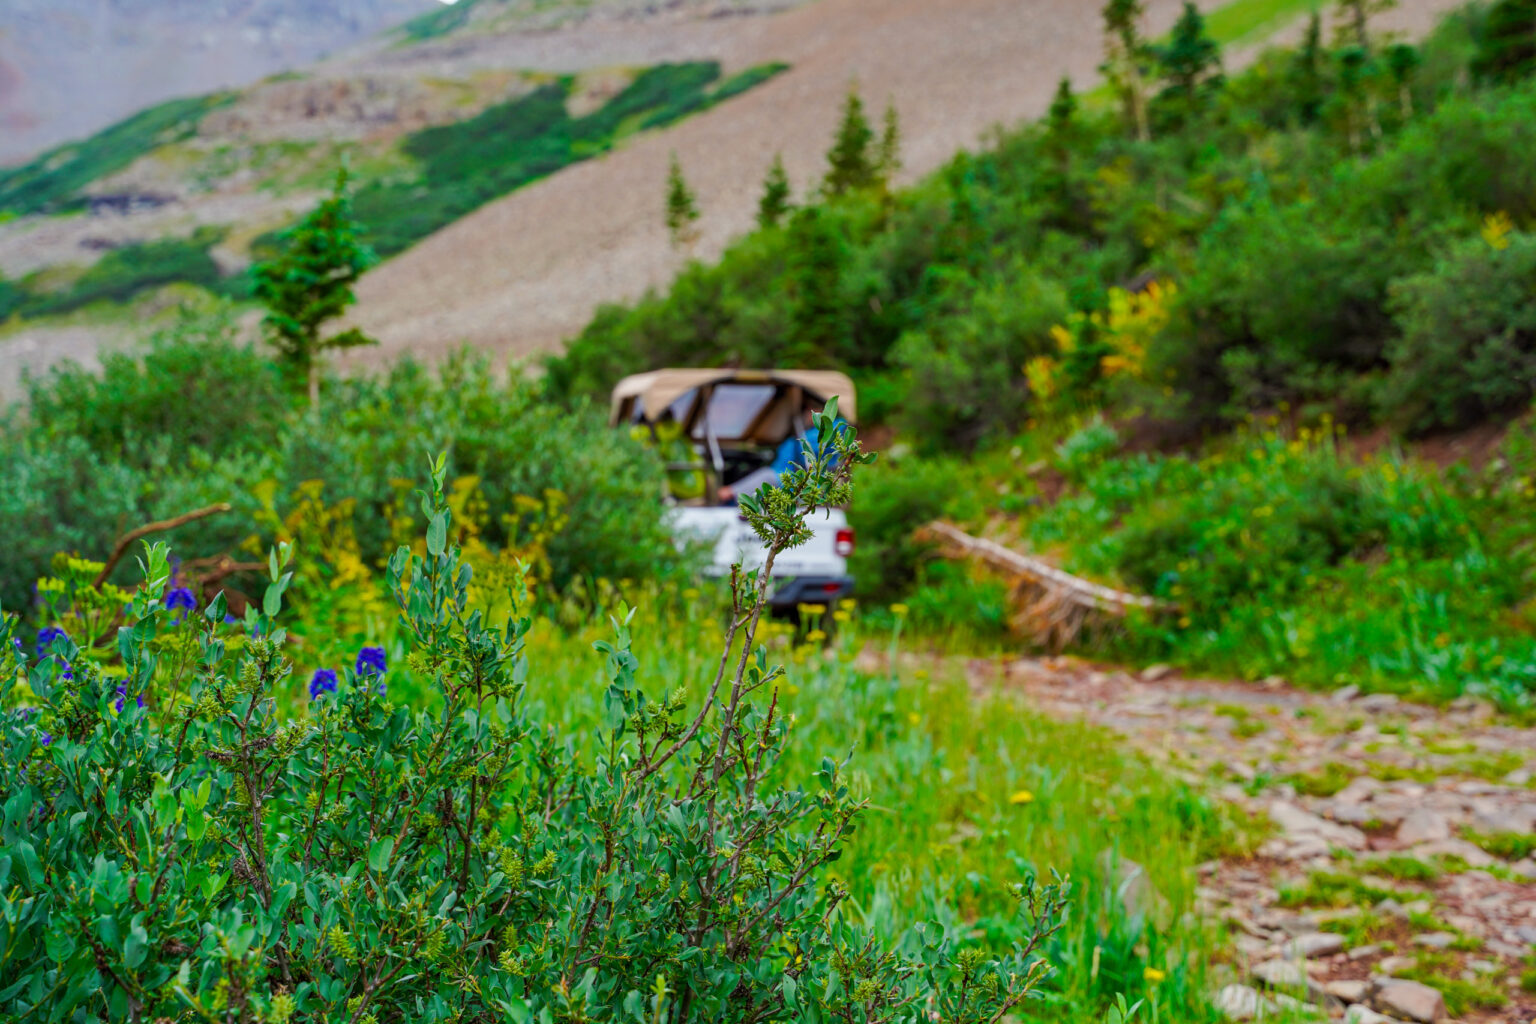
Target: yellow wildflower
x,y
1152,974
1022,796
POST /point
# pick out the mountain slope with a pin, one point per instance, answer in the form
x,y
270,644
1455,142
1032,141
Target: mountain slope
x,y
68,67
521,274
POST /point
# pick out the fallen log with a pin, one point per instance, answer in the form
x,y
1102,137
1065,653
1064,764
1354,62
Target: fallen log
x,y
1055,605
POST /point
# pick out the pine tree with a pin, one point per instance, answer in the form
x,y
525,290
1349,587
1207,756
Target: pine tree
x,y
888,159
774,203
1125,57
1402,61
1354,20
1060,135
310,283
682,209
1191,57
851,162
1306,72
1507,49
817,261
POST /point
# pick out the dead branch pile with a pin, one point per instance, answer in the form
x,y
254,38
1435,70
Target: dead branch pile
x,y
1053,606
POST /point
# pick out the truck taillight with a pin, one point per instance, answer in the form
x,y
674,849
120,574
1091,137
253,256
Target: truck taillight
x,y
844,543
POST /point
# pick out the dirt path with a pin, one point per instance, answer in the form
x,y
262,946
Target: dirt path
x,y
1400,836
525,272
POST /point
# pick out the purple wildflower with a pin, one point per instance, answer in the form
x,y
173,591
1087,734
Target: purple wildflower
x,y
372,663
180,598
47,737
46,636
122,697
323,681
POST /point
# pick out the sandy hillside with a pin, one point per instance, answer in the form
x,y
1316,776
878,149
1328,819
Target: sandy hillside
x,y
525,272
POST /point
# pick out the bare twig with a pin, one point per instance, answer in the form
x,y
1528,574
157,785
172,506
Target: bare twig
x,y
126,540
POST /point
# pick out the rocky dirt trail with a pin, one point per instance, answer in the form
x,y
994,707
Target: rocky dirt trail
x,y
1397,880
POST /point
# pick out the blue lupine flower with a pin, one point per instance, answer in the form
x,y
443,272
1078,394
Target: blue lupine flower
x,y
180,597
46,636
47,738
21,652
229,620
68,674
323,681
122,697
371,662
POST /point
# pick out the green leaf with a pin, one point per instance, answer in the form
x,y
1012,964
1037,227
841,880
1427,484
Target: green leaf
x,y
136,946
378,853
437,534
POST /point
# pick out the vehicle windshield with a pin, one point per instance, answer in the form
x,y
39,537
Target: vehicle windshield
x,y
733,408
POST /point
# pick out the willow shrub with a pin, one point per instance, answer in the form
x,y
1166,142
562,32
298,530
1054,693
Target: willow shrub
x,y
211,860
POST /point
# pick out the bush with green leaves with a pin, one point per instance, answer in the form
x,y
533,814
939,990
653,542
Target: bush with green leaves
x,y
205,859
196,419
1467,348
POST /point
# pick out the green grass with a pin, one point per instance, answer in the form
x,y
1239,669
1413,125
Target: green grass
x,y
1332,889
1442,971
967,795
1504,845
1242,20
1325,781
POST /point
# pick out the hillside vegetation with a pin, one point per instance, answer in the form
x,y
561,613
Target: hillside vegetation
x,y
409,184
1337,237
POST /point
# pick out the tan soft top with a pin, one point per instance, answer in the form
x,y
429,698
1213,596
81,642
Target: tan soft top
x,y
644,397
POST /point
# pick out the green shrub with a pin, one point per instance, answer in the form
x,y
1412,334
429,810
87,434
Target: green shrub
x,y
967,365
895,499
123,273
370,862
189,388
1467,350
53,180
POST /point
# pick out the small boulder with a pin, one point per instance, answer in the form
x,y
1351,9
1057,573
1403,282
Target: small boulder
x,y
1315,944
1362,1014
1348,990
1393,964
1410,999
1239,1002
1525,869
1345,694
1280,974
1434,940
1423,826
1156,673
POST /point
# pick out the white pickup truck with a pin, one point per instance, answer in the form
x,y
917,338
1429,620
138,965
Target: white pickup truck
x,y
718,428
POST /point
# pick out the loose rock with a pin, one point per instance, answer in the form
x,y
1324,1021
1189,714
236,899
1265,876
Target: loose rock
x,y
1393,964
1347,989
1434,940
1239,1002
1423,827
1313,945
1412,1000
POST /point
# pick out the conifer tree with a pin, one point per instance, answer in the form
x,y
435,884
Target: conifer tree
x,y
682,208
1125,59
774,203
310,283
817,261
888,160
1507,49
1402,61
1354,20
1191,57
851,162
1061,133
1306,71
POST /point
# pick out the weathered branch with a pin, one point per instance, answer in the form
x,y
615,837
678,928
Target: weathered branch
x,y
126,540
